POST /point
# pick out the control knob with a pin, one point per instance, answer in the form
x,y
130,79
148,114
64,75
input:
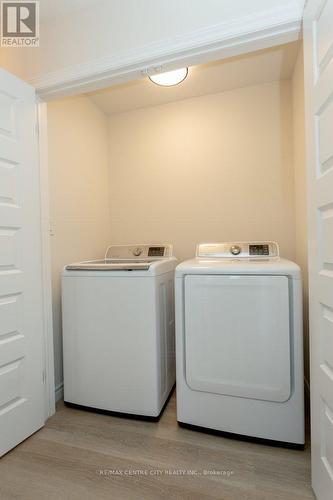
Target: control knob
x,y
235,249
137,252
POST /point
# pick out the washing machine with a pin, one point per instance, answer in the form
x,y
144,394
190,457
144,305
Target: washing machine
x,y
239,342
118,330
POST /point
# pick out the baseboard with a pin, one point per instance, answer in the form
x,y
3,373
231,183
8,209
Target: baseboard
x,y
59,392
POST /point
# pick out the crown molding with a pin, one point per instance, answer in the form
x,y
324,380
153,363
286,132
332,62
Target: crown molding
x,y
244,34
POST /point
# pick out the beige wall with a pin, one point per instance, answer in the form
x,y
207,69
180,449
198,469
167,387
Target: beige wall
x,y
79,193
300,190
212,168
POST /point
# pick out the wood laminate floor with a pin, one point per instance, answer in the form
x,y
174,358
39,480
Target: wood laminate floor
x,y
80,455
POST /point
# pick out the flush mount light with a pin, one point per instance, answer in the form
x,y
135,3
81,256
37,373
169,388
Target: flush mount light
x,y
170,78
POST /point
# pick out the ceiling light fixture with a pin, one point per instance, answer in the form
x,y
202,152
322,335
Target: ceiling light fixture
x,y
170,78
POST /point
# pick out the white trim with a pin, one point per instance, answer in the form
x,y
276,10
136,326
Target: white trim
x,y
41,124
248,33
59,392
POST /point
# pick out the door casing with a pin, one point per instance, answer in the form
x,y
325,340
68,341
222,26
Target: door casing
x,y
41,124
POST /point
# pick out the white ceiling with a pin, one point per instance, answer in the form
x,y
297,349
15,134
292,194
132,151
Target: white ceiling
x,y
52,9
251,69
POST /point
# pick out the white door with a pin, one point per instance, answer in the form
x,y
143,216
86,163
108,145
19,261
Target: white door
x,y
237,336
318,53
21,341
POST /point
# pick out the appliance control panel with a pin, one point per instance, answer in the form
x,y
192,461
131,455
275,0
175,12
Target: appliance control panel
x,y
261,249
138,252
239,250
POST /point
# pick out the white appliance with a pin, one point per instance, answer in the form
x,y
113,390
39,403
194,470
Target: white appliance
x,y
118,330
239,345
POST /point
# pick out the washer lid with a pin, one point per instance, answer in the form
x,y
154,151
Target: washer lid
x,y
109,265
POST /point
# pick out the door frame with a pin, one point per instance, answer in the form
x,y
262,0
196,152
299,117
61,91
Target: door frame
x,y
246,34
48,375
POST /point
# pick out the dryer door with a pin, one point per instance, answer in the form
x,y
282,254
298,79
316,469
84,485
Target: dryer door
x,y
237,336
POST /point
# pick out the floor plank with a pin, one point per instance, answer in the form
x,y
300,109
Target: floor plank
x,y
80,455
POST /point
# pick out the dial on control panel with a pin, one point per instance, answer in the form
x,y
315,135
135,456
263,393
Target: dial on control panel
x,y
137,251
235,250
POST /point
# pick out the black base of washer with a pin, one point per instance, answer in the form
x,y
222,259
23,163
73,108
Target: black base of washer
x,y
132,416
241,437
